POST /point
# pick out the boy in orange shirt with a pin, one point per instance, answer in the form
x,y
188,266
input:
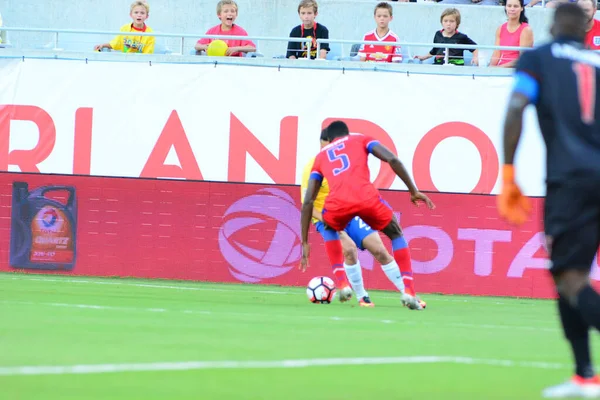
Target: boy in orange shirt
x,y
227,11
132,43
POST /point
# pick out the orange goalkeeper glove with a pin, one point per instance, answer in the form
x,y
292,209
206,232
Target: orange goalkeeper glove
x,y
512,205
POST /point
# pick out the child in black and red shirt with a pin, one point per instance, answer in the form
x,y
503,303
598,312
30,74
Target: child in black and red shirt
x,y
309,29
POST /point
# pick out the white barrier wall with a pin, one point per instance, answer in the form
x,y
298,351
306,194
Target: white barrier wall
x,y
346,19
252,124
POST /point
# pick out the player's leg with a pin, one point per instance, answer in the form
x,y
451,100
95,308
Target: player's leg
x,y
351,263
401,254
573,229
336,255
399,246
578,313
368,239
355,231
335,222
389,266
378,214
402,257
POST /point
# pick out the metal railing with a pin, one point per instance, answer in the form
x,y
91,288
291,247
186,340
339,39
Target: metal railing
x,y
308,43
182,36
445,46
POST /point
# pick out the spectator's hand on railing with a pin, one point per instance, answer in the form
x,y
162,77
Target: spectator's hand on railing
x,y
99,47
475,59
200,47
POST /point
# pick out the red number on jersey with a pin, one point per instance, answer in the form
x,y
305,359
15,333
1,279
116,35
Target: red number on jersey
x,y
586,87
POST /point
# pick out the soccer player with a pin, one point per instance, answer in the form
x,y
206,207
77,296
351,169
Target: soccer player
x,y
358,234
561,78
343,163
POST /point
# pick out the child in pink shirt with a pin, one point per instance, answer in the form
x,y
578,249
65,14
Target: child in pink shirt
x,y
227,11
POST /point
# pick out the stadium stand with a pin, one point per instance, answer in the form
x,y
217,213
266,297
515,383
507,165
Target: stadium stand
x,y
349,20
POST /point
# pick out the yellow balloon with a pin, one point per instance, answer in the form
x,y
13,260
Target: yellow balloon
x,y
217,48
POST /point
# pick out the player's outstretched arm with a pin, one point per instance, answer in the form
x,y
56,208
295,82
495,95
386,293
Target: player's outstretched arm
x,y
305,215
513,125
512,205
384,154
308,207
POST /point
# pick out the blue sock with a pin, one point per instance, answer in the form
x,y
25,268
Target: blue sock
x,y
399,243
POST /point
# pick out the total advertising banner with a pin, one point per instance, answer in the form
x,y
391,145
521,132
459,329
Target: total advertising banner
x,y
252,124
250,233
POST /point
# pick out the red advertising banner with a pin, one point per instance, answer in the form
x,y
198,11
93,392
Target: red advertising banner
x,y
250,233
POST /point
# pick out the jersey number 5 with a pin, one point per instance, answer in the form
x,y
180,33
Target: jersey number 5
x,y
333,155
586,87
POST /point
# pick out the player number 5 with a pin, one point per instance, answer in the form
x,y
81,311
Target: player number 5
x,y
586,88
334,155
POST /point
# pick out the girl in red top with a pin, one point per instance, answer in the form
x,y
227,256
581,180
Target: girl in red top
x,y
515,32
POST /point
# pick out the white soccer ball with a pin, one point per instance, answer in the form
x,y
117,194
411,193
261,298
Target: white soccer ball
x,y
320,290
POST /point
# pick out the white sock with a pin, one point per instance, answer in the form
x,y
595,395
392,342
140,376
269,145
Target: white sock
x,y
354,274
393,273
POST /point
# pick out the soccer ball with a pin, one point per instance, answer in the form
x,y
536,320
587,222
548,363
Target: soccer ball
x,y
320,290
217,48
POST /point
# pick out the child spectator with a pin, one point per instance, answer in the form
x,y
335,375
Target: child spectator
x,y
449,34
592,36
516,32
309,29
227,12
383,52
132,43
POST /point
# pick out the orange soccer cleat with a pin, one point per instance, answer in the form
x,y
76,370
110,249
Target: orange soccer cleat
x,y
366,302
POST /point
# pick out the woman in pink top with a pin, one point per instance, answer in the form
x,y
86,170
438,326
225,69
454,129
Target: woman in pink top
x,y
515,32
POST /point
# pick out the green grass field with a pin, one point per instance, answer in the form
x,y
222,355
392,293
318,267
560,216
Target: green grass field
x,y
149,339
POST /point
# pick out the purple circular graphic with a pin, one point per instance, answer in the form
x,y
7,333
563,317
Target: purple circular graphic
x,y
257,213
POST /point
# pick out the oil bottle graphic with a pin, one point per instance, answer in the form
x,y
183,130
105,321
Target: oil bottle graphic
x,y
43,229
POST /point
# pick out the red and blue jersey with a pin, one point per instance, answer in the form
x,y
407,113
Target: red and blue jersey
x,y
344,163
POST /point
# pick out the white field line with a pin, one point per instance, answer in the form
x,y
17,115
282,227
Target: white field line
x,y
292,291
272,317
313,362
